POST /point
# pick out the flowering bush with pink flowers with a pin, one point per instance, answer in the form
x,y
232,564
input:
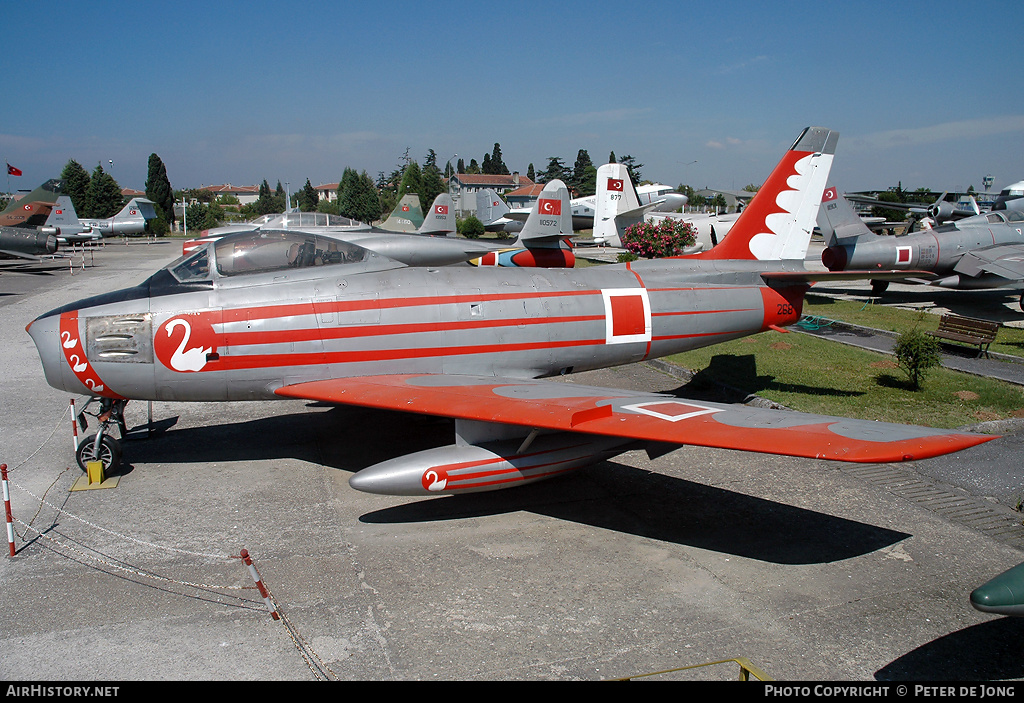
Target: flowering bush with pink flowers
x,y
667,238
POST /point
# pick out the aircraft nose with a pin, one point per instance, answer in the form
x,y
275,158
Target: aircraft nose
x,y
45,333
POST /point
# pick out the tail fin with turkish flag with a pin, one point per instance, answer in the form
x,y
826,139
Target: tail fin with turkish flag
x,y
11,171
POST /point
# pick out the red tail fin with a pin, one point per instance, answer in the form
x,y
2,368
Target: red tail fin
x,y
778,222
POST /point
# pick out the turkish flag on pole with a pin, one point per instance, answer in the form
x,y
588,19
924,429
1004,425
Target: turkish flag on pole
x,y
11,171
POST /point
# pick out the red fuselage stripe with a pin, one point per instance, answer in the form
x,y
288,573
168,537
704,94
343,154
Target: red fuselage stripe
x,y
351,357
330,331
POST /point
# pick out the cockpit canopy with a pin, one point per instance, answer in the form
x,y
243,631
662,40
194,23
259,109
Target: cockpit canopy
x,y
263,251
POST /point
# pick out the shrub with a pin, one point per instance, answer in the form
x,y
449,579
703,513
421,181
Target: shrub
x,y
667,238
916,353
471,227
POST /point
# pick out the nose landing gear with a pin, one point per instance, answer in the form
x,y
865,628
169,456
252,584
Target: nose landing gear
x,y
102,446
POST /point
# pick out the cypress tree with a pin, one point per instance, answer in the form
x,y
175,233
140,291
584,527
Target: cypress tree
x,y
158,189
76,185
104,197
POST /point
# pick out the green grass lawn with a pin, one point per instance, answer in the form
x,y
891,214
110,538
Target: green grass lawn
x,y
816,375
1009,340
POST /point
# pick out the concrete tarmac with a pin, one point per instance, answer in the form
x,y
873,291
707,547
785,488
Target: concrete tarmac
x,y
814,571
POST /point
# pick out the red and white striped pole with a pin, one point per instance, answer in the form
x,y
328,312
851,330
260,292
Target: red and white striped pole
x,y
259,584
74,426
7,509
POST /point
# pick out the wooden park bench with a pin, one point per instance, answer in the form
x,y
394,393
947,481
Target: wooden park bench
x,y
968,330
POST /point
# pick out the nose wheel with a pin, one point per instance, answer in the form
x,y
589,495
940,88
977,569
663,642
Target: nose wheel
x,y
102,446
108,452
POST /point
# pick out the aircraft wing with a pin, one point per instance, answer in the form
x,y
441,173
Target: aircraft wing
x,y
519,214
1004,260
553,405
20,255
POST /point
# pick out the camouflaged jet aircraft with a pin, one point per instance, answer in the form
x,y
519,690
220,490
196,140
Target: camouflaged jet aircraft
x,y
23,234
983,251
264,315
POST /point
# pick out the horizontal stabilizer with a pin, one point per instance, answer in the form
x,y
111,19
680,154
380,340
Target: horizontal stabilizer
x,y
821,276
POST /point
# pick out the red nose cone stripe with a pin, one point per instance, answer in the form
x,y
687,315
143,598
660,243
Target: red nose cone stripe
x,y
74,353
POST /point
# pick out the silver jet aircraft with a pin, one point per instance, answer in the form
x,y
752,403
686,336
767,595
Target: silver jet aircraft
x,y
264,315
130,220
983,251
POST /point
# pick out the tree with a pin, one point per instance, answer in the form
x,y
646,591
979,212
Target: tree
x,y
76,185
890,214
556,169
412,180
632,167
358,198
473,167
369,199
158,189
308,198
461,168
588,184
493,163
268,202
579,174
103,199
530,173
916,353
471,227
431,181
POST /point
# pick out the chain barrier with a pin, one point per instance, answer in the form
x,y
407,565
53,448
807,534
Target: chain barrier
x,y
84,554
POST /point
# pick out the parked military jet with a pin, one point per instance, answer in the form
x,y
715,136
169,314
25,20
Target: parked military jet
x,y
26,243
492,212
406,217
655,197
617,206
984,251
32,209
400,220
130,220
263,315
22,233
63,223
925,214
1011,197
1002,595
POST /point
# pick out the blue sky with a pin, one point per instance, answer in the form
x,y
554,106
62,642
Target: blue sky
x,y
930,94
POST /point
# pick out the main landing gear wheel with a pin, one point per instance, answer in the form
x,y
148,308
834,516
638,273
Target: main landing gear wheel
x,y
109,454
879,287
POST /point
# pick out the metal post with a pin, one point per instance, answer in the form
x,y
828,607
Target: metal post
x,y
7,509
74,426
259,584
